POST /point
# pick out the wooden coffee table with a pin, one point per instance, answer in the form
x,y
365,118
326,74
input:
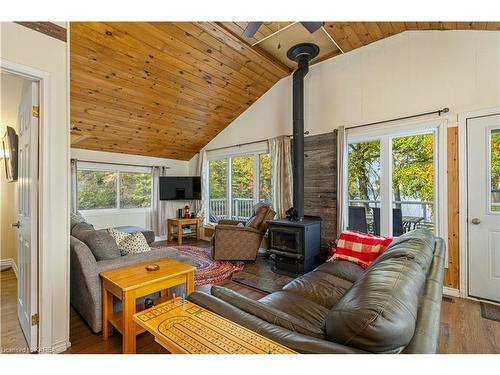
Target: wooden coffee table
x,y
186,328
132,282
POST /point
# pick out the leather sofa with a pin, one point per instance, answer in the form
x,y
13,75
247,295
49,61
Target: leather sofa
x,y
391,307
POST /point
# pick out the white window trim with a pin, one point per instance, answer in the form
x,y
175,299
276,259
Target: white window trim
x,y
385,133
254,149
116,168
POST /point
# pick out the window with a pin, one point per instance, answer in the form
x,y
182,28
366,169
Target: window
x,y
236,183
495,170
392,180
104,186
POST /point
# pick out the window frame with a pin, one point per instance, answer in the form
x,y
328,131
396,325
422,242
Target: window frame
x,y
385,134
115,168
228,154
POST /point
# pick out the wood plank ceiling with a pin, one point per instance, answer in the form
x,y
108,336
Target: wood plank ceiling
x,y
166,89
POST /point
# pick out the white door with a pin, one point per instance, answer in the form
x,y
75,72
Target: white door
x,y
27,215
483,145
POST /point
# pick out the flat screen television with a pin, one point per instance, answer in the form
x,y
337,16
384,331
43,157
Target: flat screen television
x,y
9,148
180,188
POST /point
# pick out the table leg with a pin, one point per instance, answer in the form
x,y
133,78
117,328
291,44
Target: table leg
x,y
128,338
189,283
198,228
170,235
107,309
164,295
179,234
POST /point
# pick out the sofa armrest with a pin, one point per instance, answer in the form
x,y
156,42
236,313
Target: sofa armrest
x,y
85,288
234,228
295,341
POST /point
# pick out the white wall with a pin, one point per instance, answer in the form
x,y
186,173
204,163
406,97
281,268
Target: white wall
x,y
409,73
32,49
10,98
134,217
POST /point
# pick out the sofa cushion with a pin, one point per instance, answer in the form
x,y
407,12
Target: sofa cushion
x,y
102,245
258,217
379,312
148,234
322,288
80,229
133,243
306,311
76,218
267,312
360,248
343,269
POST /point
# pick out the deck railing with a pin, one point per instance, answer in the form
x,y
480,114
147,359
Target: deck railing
x,y
241,208
410,209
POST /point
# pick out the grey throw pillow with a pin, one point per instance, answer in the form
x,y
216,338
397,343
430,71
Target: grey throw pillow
x,y
102,245
76,218
80,230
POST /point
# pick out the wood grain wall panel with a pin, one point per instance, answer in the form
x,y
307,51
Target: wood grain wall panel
x,y
173,86
320,182
452,275
155,89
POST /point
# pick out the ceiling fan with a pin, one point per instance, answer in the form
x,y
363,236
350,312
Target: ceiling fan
x,y
252,27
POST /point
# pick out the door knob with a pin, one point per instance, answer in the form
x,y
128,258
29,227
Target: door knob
x,y
17,225
475,221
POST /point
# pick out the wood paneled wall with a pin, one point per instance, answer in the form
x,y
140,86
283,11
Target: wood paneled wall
x,y
452,275
320,182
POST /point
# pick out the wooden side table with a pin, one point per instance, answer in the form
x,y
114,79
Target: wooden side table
x,y
179,223
132,282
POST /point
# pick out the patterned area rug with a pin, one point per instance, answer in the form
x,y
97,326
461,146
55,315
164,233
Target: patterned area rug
x,y
208,271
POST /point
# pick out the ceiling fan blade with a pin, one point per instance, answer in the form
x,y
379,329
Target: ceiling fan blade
x,y
312,26
251,29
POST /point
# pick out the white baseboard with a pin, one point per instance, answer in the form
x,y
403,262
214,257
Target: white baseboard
x,y
451,292
9,262
60,346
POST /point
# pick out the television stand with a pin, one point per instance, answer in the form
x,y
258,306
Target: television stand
x,y
179,223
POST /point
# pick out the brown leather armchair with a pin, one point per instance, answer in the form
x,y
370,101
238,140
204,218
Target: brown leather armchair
x,y
238,240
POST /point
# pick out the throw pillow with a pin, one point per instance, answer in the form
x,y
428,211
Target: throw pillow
x,y
360,248
76,218
133,243
102,245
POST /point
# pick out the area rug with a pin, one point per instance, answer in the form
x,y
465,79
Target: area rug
x,y
259,275
208,271
489,311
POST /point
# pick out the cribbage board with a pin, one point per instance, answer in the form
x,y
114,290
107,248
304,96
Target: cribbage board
x,y
184,327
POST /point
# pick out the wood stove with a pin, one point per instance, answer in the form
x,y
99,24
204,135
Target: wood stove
x,y
295,243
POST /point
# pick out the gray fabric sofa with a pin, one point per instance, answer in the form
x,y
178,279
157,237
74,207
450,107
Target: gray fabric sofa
x,y
391,307
85,266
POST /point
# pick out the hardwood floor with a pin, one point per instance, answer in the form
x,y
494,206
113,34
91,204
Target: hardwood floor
x,y
11,336
463,330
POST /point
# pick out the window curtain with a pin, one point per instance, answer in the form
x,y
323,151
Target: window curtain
x,y
74,186
158,210
280,151
201,205
341,141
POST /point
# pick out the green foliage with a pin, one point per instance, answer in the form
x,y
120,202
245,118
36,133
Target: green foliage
x,y
495,168
242,176
265,178
97,190
135,190
413,169
217,176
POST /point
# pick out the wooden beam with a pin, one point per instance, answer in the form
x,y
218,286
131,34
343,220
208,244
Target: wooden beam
x,y
47,28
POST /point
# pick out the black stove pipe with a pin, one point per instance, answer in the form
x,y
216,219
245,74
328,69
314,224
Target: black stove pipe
x,y
302,54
